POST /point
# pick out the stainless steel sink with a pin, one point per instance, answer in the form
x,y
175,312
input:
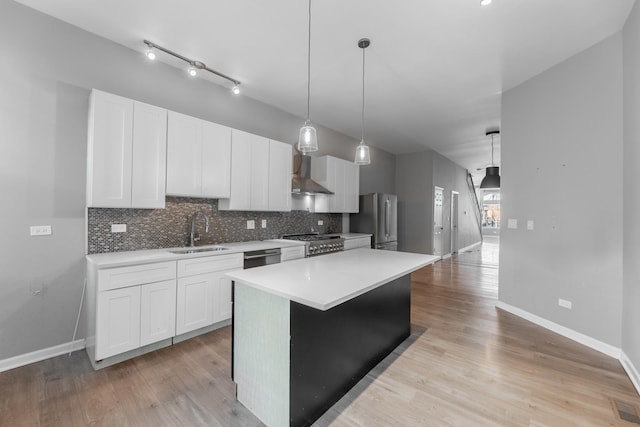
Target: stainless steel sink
x,y
198,250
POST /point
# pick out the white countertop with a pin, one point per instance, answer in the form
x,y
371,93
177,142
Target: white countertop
x,y
323,282
121,259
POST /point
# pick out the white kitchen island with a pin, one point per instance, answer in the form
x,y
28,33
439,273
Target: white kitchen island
x,y
306,331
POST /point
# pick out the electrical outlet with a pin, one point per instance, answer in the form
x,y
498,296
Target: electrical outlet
x,y
118,228
530,224
564,303
264,223
251,224
40,230
320,222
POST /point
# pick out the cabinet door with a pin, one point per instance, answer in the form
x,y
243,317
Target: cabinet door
x,y
216,160
259,173
117,321
280,170
194,308
339,179
240,195
157,311
351,187
148,181
109,151
184,155
222,303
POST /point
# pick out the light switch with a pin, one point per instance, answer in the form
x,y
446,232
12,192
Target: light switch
x,y
512,223
530,224
251,224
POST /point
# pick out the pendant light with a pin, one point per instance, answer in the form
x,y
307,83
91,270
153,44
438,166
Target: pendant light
x,y
308,139
362,151
492,178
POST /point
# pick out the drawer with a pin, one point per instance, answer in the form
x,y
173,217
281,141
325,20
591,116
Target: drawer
x,y
192,266
121,277
293,252
359,242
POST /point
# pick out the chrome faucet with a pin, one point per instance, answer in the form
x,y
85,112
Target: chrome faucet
x,y
192,238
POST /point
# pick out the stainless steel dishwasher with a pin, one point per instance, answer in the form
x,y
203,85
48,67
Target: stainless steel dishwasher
x,y
262,257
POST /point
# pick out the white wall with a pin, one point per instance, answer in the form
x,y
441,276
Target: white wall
x,y
416,175
47,70
562,168
631,210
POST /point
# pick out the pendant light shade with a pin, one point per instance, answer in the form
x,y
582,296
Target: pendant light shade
x,y
362,151
492,177
362,154
308,139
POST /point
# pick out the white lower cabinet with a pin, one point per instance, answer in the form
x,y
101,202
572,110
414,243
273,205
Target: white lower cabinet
x,y
204,294
194,303
118,322
157,311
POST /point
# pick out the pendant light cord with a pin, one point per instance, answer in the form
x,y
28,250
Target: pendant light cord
x,y
309,67
363,49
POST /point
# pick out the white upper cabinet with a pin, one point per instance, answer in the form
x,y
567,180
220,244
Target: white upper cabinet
x,y
125,153
260,174
198,157
340,176
149,156
280,170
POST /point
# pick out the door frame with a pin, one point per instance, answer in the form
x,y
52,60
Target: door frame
x,y
433,227
454,234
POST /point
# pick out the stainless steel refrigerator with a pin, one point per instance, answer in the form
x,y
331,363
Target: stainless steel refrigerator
x,y
378,216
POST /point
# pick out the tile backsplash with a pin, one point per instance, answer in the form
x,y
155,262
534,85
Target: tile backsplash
x,y
169,227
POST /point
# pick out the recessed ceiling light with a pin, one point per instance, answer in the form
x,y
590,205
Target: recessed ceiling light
x,y
485,2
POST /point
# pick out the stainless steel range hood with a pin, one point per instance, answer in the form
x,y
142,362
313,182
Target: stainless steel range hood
x,y
301,182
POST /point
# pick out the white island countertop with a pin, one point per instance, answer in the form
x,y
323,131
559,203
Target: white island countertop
x,y
323,282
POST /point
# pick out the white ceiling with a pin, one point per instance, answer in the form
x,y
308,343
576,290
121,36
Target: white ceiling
x,y
435,68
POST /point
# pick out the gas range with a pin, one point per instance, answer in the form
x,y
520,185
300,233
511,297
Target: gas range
x,y
318,244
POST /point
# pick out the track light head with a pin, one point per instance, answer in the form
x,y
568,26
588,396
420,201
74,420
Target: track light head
x,y
150,54
236,89
192,71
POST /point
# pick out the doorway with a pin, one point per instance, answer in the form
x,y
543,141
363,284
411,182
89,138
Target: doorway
x,y
438,227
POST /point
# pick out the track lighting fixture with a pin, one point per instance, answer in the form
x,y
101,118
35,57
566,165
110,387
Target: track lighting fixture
x,y
150,54
194,66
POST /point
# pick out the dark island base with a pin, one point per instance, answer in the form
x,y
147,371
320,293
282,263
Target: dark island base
x,y
332,350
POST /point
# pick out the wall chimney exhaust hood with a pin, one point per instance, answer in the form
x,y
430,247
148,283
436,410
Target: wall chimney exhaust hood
x,y
301,182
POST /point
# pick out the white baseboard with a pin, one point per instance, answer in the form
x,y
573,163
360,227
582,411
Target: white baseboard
x,y
467,248
446,256
37,356
631,370
593,343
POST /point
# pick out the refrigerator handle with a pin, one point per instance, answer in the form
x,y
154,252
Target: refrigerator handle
x,y
387,217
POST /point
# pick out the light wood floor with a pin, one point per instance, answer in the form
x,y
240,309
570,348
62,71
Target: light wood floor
x,y
466,364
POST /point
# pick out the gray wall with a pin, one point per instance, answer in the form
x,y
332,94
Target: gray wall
x,y
631,207
562,168
47,70
416,175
